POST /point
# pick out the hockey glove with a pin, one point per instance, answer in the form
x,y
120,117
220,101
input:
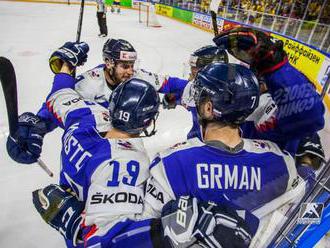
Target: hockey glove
x,y
253,47
26,144
169,101
186,222
73,53
60,209
264,116
310,152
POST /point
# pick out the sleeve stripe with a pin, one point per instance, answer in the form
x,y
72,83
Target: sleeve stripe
x,y
51,110
154,163
91,232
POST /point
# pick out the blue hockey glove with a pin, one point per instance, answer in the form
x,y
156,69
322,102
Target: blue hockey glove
x,y
186,222
169,101
73,53
60,209
26,145
310,152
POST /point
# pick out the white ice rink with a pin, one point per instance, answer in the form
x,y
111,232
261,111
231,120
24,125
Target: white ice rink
x,y
29,32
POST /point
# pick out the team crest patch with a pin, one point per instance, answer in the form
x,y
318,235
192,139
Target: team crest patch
x,y
177,145
93,74
310,213
261,144
125,145
105,116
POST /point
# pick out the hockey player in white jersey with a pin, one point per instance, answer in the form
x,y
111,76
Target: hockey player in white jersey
x,y
107,168
254,174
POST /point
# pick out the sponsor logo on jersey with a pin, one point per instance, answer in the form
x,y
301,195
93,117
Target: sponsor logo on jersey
x,y
119,197
151,189
72,101
98,97
310,213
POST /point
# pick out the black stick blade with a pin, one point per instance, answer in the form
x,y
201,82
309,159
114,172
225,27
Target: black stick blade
x,y
8,82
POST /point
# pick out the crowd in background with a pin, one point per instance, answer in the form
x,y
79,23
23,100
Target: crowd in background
x,y
286,8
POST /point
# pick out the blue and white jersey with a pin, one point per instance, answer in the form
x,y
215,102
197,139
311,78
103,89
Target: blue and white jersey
x,y
251,177
92,85
109,175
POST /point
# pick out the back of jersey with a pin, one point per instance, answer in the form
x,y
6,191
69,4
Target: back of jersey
x,y
251,177
116,189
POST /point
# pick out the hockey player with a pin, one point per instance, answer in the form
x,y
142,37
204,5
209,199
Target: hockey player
x,y
96,85
253,174
101,15
179,92
107,168
300,108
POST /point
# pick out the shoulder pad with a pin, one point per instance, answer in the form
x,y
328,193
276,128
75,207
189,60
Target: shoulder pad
x,y
190,143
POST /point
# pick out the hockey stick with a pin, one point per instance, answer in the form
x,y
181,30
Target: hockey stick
x,y
81,15
214,5
9,86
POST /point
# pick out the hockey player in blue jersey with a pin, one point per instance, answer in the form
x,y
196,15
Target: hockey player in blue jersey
x,y
300,108
107,168
254,174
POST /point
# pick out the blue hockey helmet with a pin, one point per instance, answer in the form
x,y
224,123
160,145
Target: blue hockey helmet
x,y
119,50
233,90
134,106
206,55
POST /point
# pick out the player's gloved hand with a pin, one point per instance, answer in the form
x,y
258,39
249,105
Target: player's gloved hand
x,y
186,222
264,116
60,209
310,152
73,53
253,47
26,145
169,101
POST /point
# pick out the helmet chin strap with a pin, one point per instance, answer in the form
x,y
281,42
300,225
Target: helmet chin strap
x,y
153,131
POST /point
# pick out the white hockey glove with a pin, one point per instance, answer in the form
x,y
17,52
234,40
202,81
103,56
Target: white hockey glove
x,y
264,116
154,79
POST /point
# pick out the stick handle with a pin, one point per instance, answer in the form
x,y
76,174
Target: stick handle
x,y
45,167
